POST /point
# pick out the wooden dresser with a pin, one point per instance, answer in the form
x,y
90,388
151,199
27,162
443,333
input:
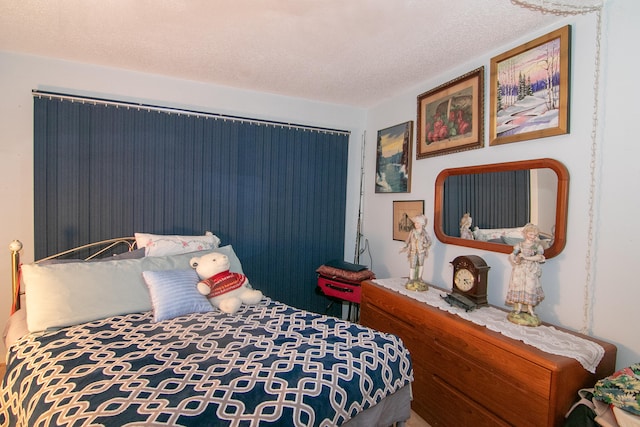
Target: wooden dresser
x,y
467,375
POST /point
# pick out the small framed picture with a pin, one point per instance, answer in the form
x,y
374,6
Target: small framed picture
x,y
530,90
393,159
403,211
451,116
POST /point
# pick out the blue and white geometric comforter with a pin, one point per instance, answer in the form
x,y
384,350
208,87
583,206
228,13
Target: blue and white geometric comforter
x,y
268,364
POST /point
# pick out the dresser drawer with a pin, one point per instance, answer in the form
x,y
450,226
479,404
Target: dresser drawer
x,y
451,407
489,385
466,374
497,361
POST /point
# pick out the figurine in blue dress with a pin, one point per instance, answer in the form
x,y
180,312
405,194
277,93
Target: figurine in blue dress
x,y
524,286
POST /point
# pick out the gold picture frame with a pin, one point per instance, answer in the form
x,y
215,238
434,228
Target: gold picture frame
x,y
403,211
393,159
529,90
451,116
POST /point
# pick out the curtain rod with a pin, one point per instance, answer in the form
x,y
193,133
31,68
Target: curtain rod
x,y
179,111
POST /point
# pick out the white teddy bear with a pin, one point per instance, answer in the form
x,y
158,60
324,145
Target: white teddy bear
x,y
224,289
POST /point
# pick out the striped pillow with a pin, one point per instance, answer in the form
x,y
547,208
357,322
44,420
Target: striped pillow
x,y
174,293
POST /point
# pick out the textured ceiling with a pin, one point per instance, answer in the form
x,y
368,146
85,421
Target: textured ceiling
x,y
353,52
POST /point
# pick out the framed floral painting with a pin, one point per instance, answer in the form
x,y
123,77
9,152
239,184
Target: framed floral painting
x,y
393,159
530,90
451,116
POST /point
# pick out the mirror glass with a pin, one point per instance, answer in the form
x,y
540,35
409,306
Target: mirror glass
x,y
486,206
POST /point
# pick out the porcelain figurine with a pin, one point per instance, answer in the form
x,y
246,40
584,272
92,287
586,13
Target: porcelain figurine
x,y
465,226
525,291
417,247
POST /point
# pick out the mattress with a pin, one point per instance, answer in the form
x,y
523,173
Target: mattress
x,y
269,364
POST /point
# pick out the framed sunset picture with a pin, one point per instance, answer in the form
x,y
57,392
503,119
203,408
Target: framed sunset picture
x,y
393,159
530,90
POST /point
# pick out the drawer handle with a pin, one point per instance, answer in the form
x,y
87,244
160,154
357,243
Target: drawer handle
x,y
338,288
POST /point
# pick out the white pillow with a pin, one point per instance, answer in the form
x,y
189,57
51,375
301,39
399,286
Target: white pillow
x,y
514,233
162,245
175,293
67,294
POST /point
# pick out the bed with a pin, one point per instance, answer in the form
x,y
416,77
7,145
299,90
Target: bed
x,y
99,343
508,236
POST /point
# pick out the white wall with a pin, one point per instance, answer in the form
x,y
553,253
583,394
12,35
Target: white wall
x,y
544,183
20,74
615,292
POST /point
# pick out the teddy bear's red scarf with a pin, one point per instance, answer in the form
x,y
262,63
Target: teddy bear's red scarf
x,y
224,282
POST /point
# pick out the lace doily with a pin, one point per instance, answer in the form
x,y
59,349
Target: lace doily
x,y
545,338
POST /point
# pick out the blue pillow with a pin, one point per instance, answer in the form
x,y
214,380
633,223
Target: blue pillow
x,y
175,293
512,241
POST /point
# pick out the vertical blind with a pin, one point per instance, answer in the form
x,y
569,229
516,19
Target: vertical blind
x,y
494,200
276,192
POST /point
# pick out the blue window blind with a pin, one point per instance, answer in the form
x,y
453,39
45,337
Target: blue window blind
x,y
276,192
494,200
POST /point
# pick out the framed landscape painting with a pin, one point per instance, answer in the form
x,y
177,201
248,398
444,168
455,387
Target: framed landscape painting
x,y
530,90
393,159
451,116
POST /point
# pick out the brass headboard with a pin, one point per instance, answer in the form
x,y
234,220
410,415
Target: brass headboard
x,y
95,250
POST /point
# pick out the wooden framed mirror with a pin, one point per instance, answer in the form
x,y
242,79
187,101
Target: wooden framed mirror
x,y
535,184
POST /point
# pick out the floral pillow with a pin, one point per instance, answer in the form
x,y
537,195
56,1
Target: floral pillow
x,y
622,389
163,245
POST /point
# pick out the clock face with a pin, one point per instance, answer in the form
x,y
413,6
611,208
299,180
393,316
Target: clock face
x,y
464,280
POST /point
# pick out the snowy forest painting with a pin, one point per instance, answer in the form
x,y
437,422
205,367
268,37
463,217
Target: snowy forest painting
x,y
529,89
